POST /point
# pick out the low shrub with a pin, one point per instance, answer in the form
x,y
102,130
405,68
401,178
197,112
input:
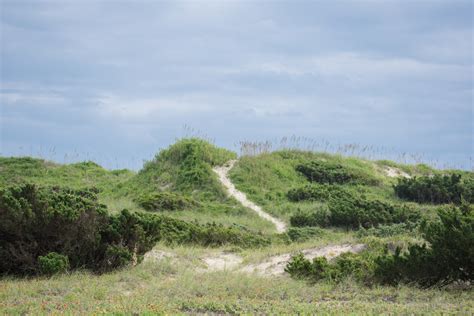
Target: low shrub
x,y
165,201
383,231
436,189
35,222
357,211
315,192
299,234
53,263
320,217
346,265
348,210
215,235
334,173
447,256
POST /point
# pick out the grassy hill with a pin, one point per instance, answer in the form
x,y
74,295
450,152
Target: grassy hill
x,y
325,199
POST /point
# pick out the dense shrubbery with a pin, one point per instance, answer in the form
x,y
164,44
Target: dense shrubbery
x,y
35,222
348,264
351,211
321,217
448,256
333,173
388,230
437,189
165,201
298,234
53,263
315,192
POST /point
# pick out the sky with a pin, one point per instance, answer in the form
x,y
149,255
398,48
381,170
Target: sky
x,y
116,81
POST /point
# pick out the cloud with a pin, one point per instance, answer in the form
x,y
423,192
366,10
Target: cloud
x,y
371,72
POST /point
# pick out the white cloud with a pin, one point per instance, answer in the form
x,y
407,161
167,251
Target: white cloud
x,y
358,67
38,99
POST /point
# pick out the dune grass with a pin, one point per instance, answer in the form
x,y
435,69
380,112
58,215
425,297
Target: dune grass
x,y
175,287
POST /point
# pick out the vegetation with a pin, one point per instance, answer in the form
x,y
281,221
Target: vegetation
x,y
446,256
36,222
331,172
53,263
40,225
184,167
315,192
350,211
304,233
19,170
91,227
438,189
164,201
347,264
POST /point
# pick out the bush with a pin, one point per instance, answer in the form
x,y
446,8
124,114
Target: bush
x,y
320,217
357,211
298,234
351,211
383,231
448,256
165,201
117,256
301,268
53,263
315,192
37,221
348,264
334,173
437,189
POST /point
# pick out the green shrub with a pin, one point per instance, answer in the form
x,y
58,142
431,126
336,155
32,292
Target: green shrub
x,y
301,268
346,265
165,201
334,173
315,192
117,256
357,211
37,221
320,217
298,234
53,263
448,256
436,189
388,230
348,210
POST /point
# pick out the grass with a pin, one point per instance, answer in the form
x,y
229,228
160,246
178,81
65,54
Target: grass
x,y
14,170
174,287
266,179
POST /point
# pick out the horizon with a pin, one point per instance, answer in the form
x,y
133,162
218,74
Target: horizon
x,y
247,148
117,81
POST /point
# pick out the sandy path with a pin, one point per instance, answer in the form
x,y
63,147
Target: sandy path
x,y
396,173
269,267
275,265
222,172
